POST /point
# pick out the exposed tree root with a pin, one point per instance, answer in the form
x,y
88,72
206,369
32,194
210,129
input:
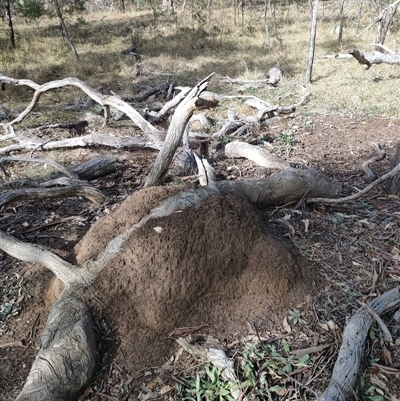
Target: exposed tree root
x,y
67,358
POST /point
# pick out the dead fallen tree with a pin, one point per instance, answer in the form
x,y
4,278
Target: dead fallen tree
x,y
105,101
256,154
70,184
374,58
368,59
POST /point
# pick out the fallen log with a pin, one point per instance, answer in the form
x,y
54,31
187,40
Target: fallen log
x,y
345,371
374,58
74,190
58,375
76,128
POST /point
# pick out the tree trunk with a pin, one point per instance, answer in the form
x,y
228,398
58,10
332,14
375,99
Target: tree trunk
x,y
10,24
359,15
313,35
175,132
384,23
341,22
267,35
64,30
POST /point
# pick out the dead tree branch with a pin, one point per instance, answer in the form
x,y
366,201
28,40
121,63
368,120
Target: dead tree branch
x,y
251,152
374,58
350,198
52,163
345,371
175,131
379,156
103,100
74,190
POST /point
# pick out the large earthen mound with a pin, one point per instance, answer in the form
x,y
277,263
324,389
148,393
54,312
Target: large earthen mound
x,y
211,264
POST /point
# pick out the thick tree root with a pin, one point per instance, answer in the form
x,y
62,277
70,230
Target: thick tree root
x,y
67,359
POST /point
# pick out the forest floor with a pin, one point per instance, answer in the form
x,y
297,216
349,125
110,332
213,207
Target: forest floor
x,y
353,248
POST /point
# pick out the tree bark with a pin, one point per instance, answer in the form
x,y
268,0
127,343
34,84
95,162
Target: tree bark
x,y
174,135
341,22
386,18
10,24
313,35
64,30
345,371
74,190
254,153
67,358
375,58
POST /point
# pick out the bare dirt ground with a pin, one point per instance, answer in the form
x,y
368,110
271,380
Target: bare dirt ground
x,y
339,255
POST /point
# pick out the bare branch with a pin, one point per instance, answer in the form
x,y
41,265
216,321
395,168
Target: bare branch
x,y
355,333
64,270
175,131
43,161
76,189
371,186
103,100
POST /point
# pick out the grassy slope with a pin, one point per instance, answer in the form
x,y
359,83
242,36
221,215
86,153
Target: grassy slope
x,y
180,47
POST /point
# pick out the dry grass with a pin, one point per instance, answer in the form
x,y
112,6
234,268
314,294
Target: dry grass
x,y
188,50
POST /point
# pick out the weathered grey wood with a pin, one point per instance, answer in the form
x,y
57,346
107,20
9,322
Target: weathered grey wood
x,y
230,127
313,35
345,371
375,58
77,189
78,127
104,140
67,359
105,101
174,135
379,156
97,167
170,105
254,153
41,161
163,88
274,76
208,100
65,271
286,186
